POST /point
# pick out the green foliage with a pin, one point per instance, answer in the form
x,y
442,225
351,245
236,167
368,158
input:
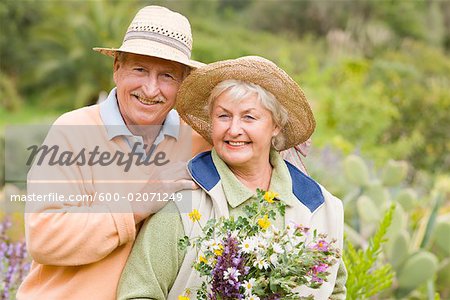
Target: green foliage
x,y
351,106
9,96
394,172
417,270
442,235
367,275
407,198
418,225
17,20
2,160
400,248
416,78
70,74
367,210
356,170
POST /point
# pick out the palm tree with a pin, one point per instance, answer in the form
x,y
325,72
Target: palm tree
x,y
68,73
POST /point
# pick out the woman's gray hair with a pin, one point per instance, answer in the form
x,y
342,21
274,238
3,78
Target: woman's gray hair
x,y
237,90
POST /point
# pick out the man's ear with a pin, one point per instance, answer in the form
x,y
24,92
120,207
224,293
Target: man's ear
x,y
116,66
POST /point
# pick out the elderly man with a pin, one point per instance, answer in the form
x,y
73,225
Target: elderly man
x,y
79,250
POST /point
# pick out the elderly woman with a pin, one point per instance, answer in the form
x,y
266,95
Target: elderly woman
x,y
248,109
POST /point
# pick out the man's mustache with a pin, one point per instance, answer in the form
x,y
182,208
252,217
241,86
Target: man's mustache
x,y
157,99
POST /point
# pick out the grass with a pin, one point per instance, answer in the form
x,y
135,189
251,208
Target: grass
x,y
27,115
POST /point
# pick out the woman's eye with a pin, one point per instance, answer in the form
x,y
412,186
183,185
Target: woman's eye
x,y
223,116
249,117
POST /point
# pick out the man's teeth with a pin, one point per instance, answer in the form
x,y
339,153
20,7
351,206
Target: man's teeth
x,y
236,143
147,101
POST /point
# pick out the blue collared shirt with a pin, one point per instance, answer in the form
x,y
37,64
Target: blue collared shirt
x,y
115,125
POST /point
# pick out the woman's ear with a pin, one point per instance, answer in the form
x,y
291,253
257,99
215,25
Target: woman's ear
x,y
276,131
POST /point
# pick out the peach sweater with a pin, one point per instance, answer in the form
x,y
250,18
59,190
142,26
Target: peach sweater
x,y
79,250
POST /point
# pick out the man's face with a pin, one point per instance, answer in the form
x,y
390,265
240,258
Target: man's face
x,y
146,88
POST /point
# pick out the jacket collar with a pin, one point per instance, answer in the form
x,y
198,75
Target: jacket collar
x,y
204,171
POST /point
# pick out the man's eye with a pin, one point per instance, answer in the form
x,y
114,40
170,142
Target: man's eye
x,y
139,69
169,76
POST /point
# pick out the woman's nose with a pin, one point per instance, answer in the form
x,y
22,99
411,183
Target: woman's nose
x,y
235,128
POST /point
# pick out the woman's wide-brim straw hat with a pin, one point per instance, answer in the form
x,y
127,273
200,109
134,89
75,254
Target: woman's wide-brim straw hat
x,y
195,90
159,32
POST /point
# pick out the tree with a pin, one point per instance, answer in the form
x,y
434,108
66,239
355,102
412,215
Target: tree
x,y
68,73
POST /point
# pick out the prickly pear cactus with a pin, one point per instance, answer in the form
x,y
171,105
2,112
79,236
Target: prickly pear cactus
x,y
399,250
418,268
356,170
367,210
379,194
394,172
418,239
442,235
407,198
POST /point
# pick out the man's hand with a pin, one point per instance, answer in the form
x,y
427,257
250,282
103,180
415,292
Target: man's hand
x,y
172,179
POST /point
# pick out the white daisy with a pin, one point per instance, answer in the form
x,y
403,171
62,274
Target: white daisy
x,y
274,259
277,248
248,245
261,263
248,285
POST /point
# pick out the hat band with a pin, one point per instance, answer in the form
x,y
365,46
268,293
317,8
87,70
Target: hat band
x,y
174,43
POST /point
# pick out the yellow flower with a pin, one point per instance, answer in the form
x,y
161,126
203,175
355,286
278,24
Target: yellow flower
x,y
264,223
202,259
186,295
219,251
269,196
195,215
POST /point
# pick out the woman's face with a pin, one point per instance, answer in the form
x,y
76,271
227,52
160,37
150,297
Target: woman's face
x,y
242,131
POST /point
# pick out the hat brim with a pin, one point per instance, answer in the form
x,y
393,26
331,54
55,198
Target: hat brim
x,y
152,49
195,90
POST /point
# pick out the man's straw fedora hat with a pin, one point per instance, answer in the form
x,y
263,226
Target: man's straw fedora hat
x,y
159,32
195,90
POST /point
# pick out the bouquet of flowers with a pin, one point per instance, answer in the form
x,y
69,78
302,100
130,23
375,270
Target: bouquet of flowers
x,y
249,258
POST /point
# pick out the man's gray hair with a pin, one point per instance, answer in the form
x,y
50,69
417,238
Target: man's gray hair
x,y
121,58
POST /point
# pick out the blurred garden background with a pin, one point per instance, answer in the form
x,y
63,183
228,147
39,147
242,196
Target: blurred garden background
x,y
377,74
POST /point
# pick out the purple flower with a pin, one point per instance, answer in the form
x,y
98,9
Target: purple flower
x,y
14,262
314,278
225,275
316,270
274,296
321,268
321,245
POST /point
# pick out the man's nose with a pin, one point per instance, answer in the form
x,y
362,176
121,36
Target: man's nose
x,y
151,87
